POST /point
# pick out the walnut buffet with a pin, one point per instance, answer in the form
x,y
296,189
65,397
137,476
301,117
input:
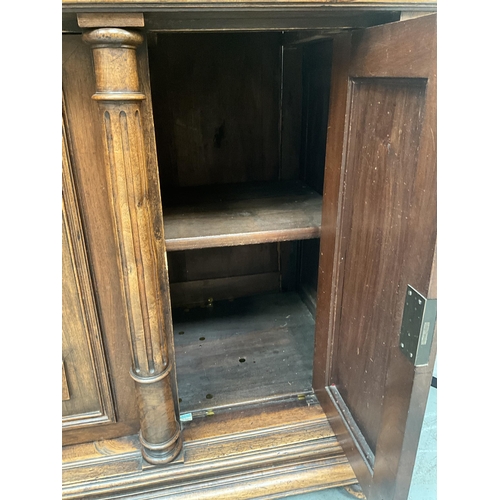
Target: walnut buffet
x,y
249,235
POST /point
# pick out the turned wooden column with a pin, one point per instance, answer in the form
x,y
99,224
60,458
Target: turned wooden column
x,y
119,98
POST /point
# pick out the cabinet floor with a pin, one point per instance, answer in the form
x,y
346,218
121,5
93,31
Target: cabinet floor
x,y
248,349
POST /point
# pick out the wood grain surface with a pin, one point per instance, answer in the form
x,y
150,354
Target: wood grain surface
x,y
379,174
251,349
203,292
241,214
136,211
86,158
384,158
90,401
222,262
387,117
203,275
247,2
216,107
110,20
281,447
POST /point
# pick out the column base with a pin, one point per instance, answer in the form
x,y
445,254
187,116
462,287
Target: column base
x,y
162,453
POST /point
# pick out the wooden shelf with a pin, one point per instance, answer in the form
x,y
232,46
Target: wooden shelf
x,y
249,349
240,214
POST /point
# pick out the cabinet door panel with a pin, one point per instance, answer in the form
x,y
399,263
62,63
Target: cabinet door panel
x,y
85,156
378,236
87,398
386,128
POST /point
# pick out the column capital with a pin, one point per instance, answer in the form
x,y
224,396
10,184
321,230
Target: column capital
x,y
113,37
115,63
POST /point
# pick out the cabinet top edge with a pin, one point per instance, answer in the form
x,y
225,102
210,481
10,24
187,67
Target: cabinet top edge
x,y
154,5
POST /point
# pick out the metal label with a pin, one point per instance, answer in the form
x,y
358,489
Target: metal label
x,y
417,327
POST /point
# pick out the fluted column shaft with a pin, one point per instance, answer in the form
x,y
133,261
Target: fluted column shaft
x,y
119,98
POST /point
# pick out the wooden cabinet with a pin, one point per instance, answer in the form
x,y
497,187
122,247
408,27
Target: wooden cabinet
x,y
253,250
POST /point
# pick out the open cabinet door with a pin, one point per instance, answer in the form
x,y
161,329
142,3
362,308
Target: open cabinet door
x,y
378,237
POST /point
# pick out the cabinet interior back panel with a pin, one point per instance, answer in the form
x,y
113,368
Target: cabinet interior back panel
x,y
213,263
198,277
216,103
249,349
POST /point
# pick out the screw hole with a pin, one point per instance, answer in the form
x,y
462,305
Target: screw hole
x,y
181,333
242,360
209,396
202,338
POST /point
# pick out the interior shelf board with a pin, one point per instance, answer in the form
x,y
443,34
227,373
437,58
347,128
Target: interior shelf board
x,y
241,214
249,349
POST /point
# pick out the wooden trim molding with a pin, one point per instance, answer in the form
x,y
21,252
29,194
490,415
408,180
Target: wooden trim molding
x,y
65,388
119,99
147,5
107,20
285,447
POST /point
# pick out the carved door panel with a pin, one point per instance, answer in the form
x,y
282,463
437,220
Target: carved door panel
x,y
85,181
378,237
87,398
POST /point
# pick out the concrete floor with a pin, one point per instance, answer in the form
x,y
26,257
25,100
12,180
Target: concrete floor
x,y
424,481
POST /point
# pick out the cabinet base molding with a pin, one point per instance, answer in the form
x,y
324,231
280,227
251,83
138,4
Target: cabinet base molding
x,y
280,449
